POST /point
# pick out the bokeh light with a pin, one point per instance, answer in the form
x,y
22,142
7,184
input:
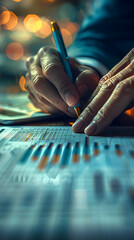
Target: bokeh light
x,y
12,22
72,27
45,29
67,37
25,27
14,51
130,112
4,17
22,82
16,0
71,123
49,1
32,23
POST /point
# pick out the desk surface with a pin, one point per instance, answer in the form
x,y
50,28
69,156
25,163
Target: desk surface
x,y
55,184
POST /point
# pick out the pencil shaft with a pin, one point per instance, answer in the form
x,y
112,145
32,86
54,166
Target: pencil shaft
x,y
64,57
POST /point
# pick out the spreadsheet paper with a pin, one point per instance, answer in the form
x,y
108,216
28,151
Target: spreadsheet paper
x,y
56,184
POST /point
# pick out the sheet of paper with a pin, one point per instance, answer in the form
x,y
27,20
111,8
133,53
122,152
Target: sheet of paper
x,y
17,108
53,181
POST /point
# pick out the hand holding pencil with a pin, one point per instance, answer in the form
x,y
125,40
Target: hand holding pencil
x,y
53,87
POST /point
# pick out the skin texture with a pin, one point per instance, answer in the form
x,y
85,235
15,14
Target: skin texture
x,y
50,89
114,93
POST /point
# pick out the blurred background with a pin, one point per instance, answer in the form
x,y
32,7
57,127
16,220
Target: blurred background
x,y
25,27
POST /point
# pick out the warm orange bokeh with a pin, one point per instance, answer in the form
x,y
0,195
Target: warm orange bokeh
x,y
130,112
16,0
4,17
14,51
51,1
71,123
72,27
32,23
45,30
67,37
22,82
12,23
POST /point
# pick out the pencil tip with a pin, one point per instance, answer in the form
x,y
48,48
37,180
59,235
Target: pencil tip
x,y
77,110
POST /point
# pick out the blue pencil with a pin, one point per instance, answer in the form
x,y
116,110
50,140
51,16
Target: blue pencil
x,y
64,57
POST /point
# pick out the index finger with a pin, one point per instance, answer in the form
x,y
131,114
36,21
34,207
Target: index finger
x,y
118,101
39,85
53,70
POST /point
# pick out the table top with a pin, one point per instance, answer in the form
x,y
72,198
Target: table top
x,y
10,90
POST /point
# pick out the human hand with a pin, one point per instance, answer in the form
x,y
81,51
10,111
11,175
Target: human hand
x,y
114,93
49,87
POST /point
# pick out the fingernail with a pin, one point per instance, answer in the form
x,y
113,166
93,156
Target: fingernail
x,y
79,124
70,99
91,128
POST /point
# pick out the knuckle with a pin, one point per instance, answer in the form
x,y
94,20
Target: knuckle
x,y
29,61
119,76
103,79
102,115
88,112
131,82
47,51
37,82
43,50
108,85
51,68
123,87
